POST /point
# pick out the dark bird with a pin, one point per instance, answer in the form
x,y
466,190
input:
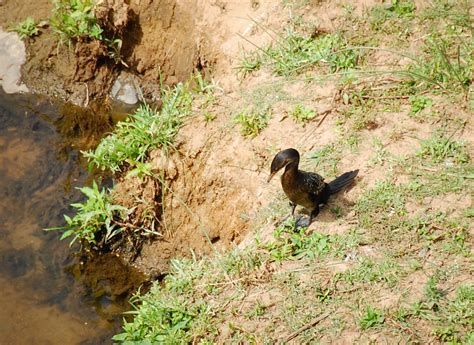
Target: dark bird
x,y
303,188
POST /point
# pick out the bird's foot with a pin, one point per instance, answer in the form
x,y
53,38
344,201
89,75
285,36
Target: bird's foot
x,y
301,222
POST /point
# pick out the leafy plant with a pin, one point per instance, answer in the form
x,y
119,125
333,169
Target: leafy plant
x,y
160,320
96,219
249,62
27,28
252,122
74,19
371,318
446,64
418,103
439,147
381,14
295,53
209,117
301,114
296,244
142,131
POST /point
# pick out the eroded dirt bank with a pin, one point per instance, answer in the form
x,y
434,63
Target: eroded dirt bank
x,y
166,38
211,204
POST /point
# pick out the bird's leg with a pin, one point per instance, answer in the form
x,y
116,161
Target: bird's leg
x,y
293,206
314,213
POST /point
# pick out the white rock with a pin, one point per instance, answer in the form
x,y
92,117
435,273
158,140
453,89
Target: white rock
x,y
12,56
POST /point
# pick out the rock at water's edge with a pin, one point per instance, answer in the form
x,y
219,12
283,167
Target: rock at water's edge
x,y
12,56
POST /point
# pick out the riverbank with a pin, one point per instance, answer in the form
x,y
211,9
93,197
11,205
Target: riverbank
x,y
384,88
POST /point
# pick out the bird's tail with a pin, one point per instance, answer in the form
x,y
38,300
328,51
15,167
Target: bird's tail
x,y
341,181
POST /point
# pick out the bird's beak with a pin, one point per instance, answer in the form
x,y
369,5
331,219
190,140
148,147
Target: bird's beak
x,y
270,177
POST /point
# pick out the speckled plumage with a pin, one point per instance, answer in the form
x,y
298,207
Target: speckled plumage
x,y
303,188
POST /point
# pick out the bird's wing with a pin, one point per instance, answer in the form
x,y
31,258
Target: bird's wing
x,y
312,183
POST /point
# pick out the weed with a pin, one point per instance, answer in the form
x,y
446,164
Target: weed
x,y
372,317
418,103
369,271
73,19
378,205
454,13
301,114
382,16
248,63
253,121
96,220
209,117
142,131
257,311
439,148
336,211
432,293
326,159
460,310
446,64
297,244
381,154
293,54
160,317
27,28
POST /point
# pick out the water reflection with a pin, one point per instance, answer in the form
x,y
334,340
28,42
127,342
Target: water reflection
x,y
46,297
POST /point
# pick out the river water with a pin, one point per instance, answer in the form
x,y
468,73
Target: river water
x,y
46,296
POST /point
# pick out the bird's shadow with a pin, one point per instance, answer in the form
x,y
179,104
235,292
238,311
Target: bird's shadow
x,y
337,208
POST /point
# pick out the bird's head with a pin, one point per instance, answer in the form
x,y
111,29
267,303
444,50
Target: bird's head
x,y
282,159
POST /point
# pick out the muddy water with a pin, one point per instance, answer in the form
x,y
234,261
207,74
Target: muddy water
x,y
46,296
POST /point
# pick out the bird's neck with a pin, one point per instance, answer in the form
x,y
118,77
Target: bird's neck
x,y
292,168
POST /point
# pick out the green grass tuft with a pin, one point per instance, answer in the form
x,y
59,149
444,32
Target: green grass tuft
x,y
142,131
302,114
439,148
27,28
97,219
252,121
372,317
74,19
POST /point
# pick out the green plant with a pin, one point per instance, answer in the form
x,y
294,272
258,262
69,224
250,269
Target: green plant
x,y
387,271
446,64
371,318
439,147
301,114
27,28
326,159
418,103
142,131
209,117
380,204
432,293
252,122
293,54
74,19
160,317
290,243
248,63
382,16
96,221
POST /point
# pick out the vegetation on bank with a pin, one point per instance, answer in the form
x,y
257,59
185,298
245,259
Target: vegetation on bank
x,y
74,21
98,221
401,269
27,28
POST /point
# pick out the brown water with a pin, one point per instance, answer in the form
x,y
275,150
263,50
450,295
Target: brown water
x,y
46,296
